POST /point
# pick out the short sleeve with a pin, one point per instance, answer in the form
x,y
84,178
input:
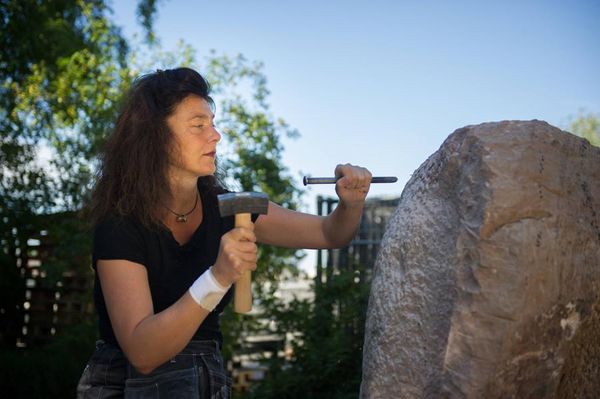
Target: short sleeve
x,y
119,238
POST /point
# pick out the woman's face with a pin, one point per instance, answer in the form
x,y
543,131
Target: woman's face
x,y
195,138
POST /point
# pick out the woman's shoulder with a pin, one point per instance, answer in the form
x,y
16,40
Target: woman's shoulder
x,y
120,237
115,227
116,221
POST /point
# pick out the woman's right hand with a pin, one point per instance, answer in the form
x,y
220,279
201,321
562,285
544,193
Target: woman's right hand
x,y
237,253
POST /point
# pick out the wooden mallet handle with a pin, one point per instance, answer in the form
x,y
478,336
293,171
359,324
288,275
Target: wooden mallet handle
x,y
243,205
242,301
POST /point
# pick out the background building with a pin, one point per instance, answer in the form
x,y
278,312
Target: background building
x,y
364,247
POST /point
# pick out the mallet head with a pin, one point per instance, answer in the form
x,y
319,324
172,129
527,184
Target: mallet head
x,y
245,202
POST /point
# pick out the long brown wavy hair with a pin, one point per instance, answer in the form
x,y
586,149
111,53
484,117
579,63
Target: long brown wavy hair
x,y
133,177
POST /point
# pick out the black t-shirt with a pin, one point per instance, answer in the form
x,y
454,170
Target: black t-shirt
x,y
171,268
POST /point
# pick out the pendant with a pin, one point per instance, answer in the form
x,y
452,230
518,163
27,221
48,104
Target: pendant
x,y
181,218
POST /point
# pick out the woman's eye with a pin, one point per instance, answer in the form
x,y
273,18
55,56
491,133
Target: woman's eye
x,y
203,126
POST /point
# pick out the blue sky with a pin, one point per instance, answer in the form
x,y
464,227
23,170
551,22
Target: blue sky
x,y
382,83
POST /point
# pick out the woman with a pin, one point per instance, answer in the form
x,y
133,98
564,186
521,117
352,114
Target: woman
x,y
164,259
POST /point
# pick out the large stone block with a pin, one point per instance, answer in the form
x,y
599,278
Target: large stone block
x,y
487,282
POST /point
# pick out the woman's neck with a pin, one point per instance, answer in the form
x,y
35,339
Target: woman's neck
x,y
184,194
184,214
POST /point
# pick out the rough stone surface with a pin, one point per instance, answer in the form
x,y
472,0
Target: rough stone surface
x,y
487,282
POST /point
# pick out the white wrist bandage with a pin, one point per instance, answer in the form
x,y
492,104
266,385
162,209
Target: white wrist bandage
x,y
206,290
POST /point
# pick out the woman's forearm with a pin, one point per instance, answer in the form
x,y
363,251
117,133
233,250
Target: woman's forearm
x,y
159,337
340,226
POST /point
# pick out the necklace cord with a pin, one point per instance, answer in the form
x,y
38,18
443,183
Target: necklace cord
x,y
182,217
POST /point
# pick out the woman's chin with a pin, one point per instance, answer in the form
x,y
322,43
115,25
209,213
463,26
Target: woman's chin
x,y
207,172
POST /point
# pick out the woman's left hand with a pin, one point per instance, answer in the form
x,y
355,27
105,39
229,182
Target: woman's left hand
x,y
353,184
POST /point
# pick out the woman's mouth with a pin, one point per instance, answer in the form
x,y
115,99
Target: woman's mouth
x,y
211,154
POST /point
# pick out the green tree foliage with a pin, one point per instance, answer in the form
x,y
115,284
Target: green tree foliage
x,y
61,77
146,12
51,371
327,351
586,125
59,87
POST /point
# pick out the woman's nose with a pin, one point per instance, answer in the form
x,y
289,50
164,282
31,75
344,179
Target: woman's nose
x,y
215,135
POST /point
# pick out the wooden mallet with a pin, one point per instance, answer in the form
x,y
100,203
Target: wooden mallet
x,y
243,205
